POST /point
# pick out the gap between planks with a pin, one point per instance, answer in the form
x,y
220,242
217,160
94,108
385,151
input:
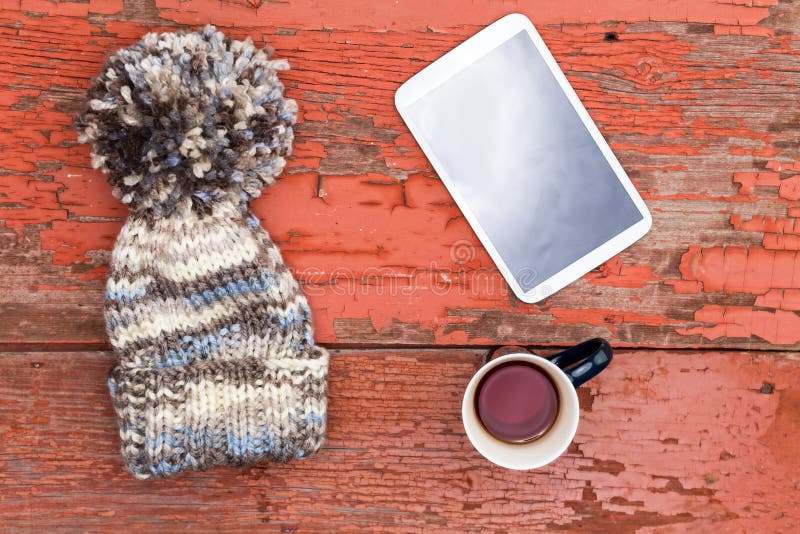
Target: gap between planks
x,y
16,348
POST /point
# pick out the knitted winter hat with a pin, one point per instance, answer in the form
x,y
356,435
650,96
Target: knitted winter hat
x,y
216,359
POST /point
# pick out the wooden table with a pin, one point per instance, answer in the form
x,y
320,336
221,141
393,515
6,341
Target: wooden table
x,y
693,427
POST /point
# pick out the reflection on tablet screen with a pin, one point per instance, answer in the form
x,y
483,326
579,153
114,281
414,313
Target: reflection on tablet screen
x,y
517,152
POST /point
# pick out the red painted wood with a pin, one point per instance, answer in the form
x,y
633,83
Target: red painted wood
x,y
686,441
698,100
698,106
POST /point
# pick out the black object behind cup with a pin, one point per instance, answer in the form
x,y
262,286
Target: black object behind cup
x,y
585,360
517,401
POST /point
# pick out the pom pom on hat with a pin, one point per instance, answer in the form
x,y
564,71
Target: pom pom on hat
x,y
186,120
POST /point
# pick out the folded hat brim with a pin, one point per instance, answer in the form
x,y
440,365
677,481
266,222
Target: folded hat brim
x,y
220,412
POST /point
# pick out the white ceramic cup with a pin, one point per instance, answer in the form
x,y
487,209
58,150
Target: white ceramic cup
x,y
582,362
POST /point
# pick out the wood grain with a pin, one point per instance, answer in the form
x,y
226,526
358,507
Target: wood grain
x,y
697,99
697,440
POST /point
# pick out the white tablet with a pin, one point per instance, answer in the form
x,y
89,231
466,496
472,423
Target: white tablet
x,y
523,160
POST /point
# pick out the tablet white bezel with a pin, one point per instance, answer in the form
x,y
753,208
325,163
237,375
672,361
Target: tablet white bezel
x,y
463,56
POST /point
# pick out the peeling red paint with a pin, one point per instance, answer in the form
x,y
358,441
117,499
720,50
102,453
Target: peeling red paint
x,y
88,193
740,270
784,299
749,180
771,272
422,14
71,241
24,201
615,274
779,327
610,319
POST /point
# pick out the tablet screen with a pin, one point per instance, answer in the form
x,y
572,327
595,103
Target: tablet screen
x,y
522,160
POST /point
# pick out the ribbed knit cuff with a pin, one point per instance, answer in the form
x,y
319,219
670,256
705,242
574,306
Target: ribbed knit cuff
x,y
220,412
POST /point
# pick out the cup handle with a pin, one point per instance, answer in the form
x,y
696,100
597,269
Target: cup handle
x,y
584,360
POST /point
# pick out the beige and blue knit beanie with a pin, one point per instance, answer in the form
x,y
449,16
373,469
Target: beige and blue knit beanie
x,y
216,358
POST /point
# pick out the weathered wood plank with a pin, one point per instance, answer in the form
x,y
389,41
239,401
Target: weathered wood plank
x,y
700,108
696,439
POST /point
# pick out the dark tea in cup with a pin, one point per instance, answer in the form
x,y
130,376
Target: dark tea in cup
x,y
516,402
521,410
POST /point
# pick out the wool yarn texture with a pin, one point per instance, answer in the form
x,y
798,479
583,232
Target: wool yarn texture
x,y
216,360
